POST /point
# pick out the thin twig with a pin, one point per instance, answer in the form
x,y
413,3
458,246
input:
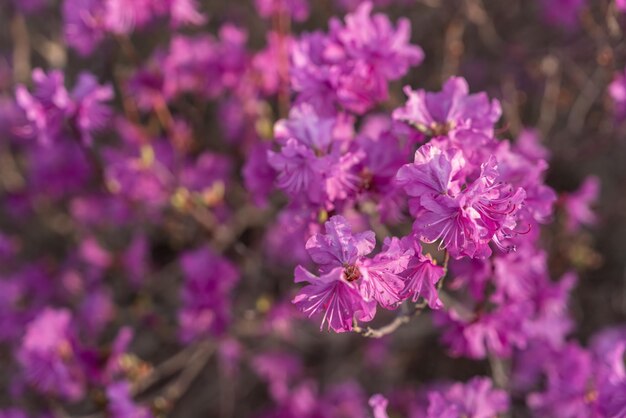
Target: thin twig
x,y
166,369
477,14
510,104
551,68
585,101
21,49
454,48
194,367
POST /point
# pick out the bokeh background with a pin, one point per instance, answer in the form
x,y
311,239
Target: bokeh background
x,y
551,74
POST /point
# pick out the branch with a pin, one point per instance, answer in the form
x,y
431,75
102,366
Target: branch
x,y
393,325
198,361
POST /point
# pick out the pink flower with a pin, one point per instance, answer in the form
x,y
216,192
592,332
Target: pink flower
x,y
382,279
577,205
49,355
334,295
463,220
421,276
434,171
475,399
451,109
379,406
339,247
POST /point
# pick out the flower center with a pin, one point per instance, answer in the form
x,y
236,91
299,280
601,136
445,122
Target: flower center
x,y
351,272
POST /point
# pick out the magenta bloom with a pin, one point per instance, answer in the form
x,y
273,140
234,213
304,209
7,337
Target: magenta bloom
x,y
562,13
351,283
617,92
433,172
339,247
353,64
379,275
464,221
91,113
49,355
206,304
314,163
422,275
570,386
379,406
475,399
374,40
577,205
299,171
382,274
181,12
84,24
335,296
308,127
497,332
121,404
48,105
451,109
51,107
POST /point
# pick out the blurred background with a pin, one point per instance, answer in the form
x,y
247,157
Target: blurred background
x,y
550,63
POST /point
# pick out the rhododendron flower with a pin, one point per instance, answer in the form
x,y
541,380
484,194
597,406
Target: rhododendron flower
x,y
299,170
465,221
617,92
339,247
120,402
379,275
569,390
421,276
496,332
158,181
51,106
577,204
209,279
374,40
49,355
351,283
351,66
382,279
451,109
84,24
378,403
335,296
562,12
475,399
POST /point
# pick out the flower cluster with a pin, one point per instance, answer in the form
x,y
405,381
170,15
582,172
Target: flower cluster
x,y
350,285
165,179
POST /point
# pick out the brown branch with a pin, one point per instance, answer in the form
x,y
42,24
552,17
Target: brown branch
x,y
166,369
550,66
510,104
477,14
21,49
198,361
454,48
393,325
585,100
